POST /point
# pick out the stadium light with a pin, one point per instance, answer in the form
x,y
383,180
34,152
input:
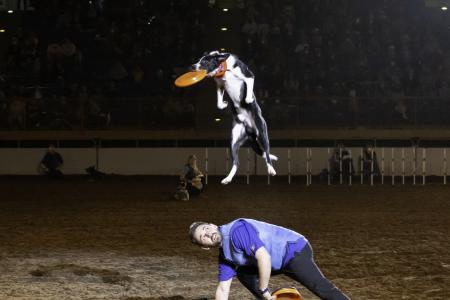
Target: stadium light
x,y
224,29
217,119
225,9
222,49
2,30
10,11
444,7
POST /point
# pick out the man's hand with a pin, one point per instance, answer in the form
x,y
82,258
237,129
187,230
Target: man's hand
x,y
268,296
264,270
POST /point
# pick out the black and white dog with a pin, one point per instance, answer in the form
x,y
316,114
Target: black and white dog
x,y
234,77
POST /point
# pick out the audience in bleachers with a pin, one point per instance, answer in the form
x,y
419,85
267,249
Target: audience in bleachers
x,y
70,57
74,51
323,47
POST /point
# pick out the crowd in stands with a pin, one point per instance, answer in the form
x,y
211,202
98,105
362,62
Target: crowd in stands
x,y
384,51
69,57
328,47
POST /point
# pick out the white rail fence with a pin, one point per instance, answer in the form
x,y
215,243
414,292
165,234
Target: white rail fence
x,y
299,165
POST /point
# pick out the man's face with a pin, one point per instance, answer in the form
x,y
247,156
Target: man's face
x,y
208,235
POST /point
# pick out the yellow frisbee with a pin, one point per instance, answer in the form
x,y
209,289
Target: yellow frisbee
x,y
287,294
190,78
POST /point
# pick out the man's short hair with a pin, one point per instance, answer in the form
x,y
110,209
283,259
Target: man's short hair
x,y
192,229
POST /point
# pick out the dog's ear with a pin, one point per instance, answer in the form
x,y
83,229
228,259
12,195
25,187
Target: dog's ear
x,y
223,56
213,53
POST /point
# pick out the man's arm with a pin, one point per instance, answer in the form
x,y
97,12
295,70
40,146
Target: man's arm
x,y
264,269
223,289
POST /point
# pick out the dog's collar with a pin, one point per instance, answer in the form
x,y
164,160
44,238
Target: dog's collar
x,y
222,69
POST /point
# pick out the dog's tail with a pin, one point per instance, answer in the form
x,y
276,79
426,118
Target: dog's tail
x,y
273,157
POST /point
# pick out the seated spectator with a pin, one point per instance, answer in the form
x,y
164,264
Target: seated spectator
x,y
191,181
339,163
52,163
368,158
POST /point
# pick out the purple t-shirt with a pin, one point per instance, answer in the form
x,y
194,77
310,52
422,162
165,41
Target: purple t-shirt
x,y
245,238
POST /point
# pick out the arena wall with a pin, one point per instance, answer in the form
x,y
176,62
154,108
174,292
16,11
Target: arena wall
x,y
170,161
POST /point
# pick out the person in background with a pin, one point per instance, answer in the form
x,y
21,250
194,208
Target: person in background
x,y
368,158
191,181
340,162
52,163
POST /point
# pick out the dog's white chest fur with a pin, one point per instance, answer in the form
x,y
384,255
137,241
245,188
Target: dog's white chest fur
x,y
233,86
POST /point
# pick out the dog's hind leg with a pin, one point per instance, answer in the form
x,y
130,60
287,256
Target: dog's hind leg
x,y
238,137
262,141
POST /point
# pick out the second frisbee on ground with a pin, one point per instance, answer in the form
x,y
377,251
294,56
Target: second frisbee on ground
x,y
287,294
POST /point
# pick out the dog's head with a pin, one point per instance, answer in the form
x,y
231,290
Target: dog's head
x,y
210,62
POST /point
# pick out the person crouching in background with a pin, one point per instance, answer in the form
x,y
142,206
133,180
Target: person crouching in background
x,y
52,163
191,181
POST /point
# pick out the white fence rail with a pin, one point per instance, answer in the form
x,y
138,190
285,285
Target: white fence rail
x,y
394,163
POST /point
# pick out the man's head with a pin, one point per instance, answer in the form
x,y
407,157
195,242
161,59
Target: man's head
x,y
204,234
210,62
51,148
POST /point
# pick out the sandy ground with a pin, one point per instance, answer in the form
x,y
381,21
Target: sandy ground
x,y
124,238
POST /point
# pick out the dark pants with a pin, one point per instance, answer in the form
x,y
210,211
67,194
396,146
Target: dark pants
x,y
301,268
54,174
193,191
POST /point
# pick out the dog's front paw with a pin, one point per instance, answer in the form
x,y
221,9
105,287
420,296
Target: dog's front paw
x,y
249,100
222,105
226,181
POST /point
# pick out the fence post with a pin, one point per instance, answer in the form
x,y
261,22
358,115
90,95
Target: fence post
x,y
308,162
361,166
414,164
206,165
328,166
350,169
289,165
424,165
382,165
393,166
403,165
340,166
371,165
445,166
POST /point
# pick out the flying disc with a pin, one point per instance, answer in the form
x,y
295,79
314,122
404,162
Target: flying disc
x,y
287,294
190,78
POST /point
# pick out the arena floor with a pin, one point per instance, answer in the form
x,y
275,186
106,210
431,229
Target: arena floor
x,y
124,238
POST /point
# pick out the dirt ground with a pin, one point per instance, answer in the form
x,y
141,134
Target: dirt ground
x,y
124,238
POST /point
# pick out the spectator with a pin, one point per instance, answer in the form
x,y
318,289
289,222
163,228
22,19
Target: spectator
x,y
52,163
369,161
339,163
192,180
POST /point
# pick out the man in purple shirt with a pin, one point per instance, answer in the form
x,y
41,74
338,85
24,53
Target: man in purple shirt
x,y
252,250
